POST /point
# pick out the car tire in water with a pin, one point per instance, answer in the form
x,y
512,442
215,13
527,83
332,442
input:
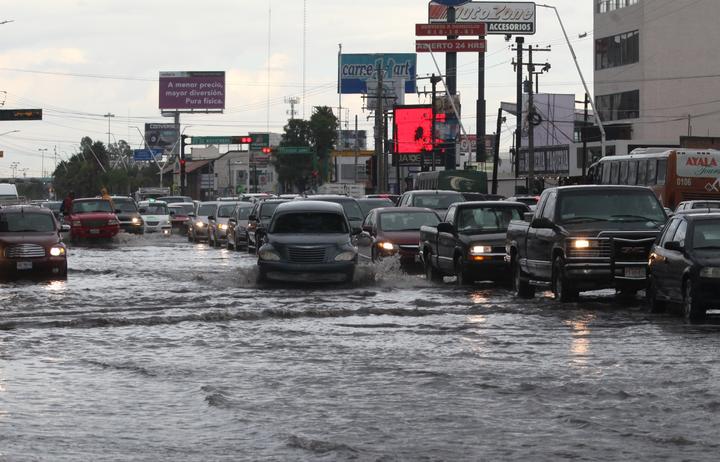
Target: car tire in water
x,y
654,305
563,290
431,273
693,311
462,278
521,285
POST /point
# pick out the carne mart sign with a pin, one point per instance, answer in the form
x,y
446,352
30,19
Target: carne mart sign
x,y
500,18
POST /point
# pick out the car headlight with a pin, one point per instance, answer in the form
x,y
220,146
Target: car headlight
x,y
348,255
222,227
269,254
199,224
581,244
136,221
112,222
480,249
388,246
57,251
77,223
710,272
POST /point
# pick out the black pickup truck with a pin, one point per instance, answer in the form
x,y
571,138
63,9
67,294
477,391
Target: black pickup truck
x,y
585,238
470,243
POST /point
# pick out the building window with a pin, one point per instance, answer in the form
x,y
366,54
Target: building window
x,y
619,106
605,6
617,50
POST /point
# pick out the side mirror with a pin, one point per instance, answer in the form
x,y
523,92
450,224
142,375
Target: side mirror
x,y
445,227
528,216
142,211
64,228
542,223
674,246
252,218
367,229
211,218
356,230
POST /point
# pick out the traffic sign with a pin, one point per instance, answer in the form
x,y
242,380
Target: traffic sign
x,y
450,46
221,140
259,141
294,150
20,114
445,29
146,154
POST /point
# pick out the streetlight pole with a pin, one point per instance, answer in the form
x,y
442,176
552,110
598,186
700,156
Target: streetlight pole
x,y
109,116
42,169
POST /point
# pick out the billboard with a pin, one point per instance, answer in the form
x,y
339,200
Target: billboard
x,y
356,69
503,18
347,140
412,126
553,135
192,91
161,136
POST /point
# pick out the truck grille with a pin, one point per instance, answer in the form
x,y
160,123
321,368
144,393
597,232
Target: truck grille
x,y
25,251
599,248
306,254
632,250
153,223
94,223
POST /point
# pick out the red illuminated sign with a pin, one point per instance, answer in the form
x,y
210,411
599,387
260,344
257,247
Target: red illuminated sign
x,y
450,29
412,127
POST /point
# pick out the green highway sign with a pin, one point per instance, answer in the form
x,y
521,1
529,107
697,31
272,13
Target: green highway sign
x,y
259,141
294,150
220,140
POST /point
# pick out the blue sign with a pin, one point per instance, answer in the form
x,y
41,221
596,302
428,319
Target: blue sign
x,y
451,2
357,69
146,154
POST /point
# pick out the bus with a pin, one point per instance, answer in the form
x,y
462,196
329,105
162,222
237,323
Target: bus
x,y
674,174
453,180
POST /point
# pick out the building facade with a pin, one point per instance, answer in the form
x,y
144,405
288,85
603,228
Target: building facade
x,y
656,72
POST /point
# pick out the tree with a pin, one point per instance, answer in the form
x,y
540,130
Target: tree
x,y
294,170
323,135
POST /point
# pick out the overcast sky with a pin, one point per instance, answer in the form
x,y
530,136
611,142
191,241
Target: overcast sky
x,y
80,59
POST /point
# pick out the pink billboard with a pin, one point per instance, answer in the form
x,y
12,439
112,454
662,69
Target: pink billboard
x,y
192,91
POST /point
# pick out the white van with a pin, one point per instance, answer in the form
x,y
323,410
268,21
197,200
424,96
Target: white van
x,y
8,194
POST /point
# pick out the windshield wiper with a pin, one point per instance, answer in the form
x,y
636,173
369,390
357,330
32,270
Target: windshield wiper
x,y
635,218
582,219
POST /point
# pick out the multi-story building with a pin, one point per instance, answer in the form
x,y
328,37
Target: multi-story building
x,y
656,71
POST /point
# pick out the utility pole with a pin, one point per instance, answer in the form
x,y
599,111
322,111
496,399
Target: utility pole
x,y
109,116
379,127
496,153
531,127
518,102
13,167
433,82
292,101
356,149
584,137
42,165
480,154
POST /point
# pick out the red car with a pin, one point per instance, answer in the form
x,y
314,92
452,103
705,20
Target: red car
x,y
180,216
30,243
93,219
394,231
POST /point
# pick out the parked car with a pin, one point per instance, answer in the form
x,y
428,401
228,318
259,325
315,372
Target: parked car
x,y
349,204
237,226
585,238
308,241
128,215
93,218
684,266
175,199
258,221
394,231
30,243
198,228
530,201
368,204
703,205
470,243
180,216
218,223
156,216
437,200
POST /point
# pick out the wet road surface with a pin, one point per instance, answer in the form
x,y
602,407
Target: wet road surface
x,y
161,350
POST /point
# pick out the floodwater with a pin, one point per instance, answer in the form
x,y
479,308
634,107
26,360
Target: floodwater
x,y
156,349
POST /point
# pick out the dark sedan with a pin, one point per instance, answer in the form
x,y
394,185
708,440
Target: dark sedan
x,y
394,231
128,215
684,267
308,241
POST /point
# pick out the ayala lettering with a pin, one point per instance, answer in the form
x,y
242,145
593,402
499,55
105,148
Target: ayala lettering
x,y
702,161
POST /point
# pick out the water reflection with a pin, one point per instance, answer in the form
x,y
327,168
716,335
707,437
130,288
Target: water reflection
x,y
580,344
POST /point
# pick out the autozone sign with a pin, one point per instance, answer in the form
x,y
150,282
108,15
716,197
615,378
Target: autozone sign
x,y
500,18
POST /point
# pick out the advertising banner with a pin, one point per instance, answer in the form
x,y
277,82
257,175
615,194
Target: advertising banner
x,y
192,91
500,18
450,46
146,154
357,69
549,160
161,136
347,140
698,164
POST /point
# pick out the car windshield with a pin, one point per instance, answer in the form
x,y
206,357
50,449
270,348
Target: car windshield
x,y
436,201
126,207
613,206
309,223
486,219
706,235
224,211
26,223
407,221
267,209
156,209
366,205
244,213
182,209
206,210
92,206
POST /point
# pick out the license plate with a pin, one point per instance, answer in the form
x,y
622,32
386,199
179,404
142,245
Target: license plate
x,y
24,265
637,273
94,231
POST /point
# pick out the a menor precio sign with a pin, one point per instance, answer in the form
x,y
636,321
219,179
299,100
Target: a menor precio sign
x,y
500,18
192,91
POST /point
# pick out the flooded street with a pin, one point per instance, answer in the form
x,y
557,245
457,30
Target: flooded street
x,y
158,349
